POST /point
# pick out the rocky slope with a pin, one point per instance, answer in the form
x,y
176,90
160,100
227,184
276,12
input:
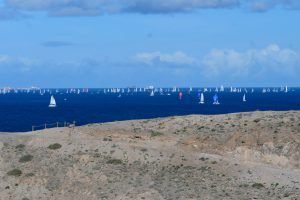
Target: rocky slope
x,y
237,156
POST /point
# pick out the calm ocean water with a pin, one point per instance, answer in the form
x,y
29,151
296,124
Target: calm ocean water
x,y
19,111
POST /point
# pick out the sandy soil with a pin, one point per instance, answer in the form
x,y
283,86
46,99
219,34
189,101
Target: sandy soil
x,y
237,156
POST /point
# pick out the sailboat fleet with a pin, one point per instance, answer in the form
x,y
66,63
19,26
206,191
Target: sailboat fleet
x,y
151,91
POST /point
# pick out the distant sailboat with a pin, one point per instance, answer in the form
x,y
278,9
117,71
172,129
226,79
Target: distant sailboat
x,y
152,94
244,98
201,99
52,102
286,89
222,88
180,95
216,101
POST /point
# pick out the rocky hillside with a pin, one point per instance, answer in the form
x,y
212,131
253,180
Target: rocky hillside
x,y
237,156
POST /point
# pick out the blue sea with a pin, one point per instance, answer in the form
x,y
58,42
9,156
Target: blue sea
x,y
19,111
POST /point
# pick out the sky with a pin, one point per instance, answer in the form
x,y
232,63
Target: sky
x,y
121,43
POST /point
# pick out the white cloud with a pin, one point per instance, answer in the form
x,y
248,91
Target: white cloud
x,y
4,58
177,58
271,64
256,61
264,5
21,64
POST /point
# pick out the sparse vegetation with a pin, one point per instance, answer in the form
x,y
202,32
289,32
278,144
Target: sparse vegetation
x,y
107,139
156,133
114,161
20,146
29,175
54,146
256,120
244,185
258,185
111,159
26,158
14,172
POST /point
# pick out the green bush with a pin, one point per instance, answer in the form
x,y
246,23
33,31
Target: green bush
x,y
114,161
14,172
258,185
54,146
26,158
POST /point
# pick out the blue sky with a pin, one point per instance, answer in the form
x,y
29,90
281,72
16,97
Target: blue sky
x,y
119,43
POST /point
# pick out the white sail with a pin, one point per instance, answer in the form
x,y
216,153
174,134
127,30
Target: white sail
x,y
244,98
152,93
201,99
52,102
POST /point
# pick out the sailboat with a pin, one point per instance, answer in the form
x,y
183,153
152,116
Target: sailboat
x,y
52,102
201,99
152,94
244,98
180,95
216,101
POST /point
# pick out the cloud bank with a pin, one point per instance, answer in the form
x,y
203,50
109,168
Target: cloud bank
x,y
255,62
271,63
176,58
98,7
254,67
265,5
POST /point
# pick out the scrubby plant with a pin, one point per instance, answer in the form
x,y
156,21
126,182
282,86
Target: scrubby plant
x,y
256,120
26,158
29,174
156,133
20,146
14,172
54,146
114,161
258,185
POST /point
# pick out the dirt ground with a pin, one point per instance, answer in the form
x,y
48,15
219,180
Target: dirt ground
x,y
236,156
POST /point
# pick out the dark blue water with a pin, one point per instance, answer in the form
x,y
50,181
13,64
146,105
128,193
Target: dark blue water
x,y
18,112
